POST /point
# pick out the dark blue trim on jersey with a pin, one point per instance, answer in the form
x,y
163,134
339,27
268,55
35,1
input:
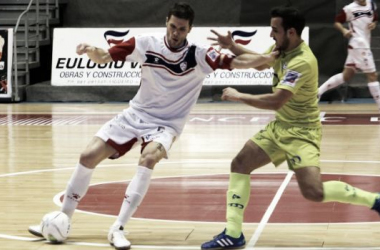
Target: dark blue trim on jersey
x,y
187,63
361,13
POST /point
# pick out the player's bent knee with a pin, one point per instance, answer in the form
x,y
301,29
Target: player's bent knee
x,y
148,160
372,77
313,194
87,160
238,166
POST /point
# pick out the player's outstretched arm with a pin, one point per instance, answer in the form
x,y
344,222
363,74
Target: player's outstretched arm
x,y
257,61
272,101
95,54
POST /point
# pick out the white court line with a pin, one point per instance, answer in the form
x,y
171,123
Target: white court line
x,y
165,163
269,211
251,243
4,236
345,161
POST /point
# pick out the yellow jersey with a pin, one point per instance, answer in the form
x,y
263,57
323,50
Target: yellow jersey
x,y
297,72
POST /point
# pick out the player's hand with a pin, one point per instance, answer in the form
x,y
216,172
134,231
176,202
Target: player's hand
x,y
275,54
84,48
224,41
230,94
371,26
347,33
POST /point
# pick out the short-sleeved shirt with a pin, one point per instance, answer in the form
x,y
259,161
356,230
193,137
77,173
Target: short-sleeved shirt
x,y
359,17
297,72
171,80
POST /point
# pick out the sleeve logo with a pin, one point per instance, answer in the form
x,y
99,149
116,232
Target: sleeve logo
x,y
291,77
212,54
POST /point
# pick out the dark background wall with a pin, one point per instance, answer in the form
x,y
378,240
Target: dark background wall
x,y
325,41
328,44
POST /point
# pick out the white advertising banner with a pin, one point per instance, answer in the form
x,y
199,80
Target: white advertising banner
x,y
70,69
6,53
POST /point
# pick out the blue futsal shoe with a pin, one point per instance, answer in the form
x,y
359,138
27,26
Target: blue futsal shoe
x,y
376,206
223,241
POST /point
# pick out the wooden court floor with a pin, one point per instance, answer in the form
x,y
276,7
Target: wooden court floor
x,y
41,143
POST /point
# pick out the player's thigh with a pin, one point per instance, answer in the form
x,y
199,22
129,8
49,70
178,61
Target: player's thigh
x,y
268,141
152,153
96,151
348,73
363,60
156,145
372,76
250,157
302,146
120,134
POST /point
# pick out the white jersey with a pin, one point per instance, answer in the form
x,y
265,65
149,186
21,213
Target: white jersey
x,y
359,17
171,80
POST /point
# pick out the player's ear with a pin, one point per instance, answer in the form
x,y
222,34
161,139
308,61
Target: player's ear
x,y
292,31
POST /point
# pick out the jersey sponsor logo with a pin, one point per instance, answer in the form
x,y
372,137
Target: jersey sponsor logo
x,y
362,13
291,77
213,55
245,34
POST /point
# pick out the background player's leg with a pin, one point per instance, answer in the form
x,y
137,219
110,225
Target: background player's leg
x,y
374,87
336,80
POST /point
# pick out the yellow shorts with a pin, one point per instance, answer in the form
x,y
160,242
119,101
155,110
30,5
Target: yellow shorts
x,y
299,146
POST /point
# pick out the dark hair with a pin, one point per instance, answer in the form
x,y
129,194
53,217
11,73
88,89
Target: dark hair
x,y
182,10
291,18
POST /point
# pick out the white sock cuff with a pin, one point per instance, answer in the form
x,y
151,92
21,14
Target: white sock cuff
x,y
370,84
84,169
144,170
81,170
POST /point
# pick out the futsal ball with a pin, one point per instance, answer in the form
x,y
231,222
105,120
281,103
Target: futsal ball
x,y
55,227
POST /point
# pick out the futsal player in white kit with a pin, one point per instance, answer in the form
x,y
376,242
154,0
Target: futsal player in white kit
x,y
362,18
173,70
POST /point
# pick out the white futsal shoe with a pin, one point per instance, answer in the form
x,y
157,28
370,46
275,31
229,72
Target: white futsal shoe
x,y
117,238
36,230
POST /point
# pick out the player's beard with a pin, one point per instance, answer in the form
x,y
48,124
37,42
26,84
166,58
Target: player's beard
x,y
284,45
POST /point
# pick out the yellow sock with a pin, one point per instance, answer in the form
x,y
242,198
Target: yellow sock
x,y
237,200
345,193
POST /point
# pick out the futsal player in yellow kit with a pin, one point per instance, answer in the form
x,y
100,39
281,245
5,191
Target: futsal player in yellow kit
x,y
294,136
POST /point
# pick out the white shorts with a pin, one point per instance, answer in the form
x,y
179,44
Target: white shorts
x,y
125,131
360,59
